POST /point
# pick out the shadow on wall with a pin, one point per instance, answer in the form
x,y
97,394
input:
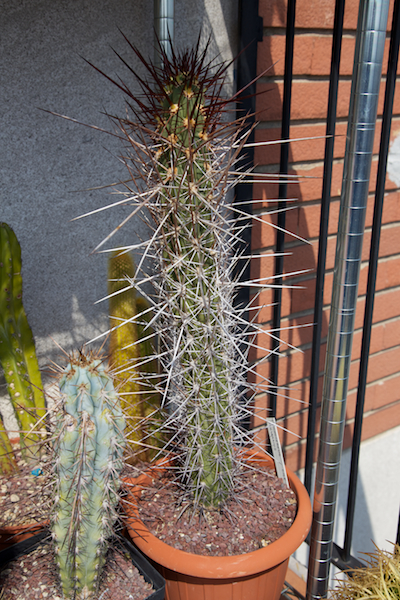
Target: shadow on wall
x,y
50,168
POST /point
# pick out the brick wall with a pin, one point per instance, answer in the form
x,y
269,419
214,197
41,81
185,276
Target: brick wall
x,y
312,51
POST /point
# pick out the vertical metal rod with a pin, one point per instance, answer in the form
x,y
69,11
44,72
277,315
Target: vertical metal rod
x,y
250,32
370,41
283,169
164,28
323,236
372,270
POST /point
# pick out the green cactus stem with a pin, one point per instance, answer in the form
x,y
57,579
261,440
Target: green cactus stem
x,y
181,152
88,460
17,348
8,464
129,356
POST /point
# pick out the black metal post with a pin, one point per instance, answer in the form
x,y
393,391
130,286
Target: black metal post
x,y
251,32
283,169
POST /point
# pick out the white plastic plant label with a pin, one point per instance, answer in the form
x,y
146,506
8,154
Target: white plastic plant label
x,y
277,450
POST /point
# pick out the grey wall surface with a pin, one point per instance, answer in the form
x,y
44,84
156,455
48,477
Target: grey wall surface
x,y
48,165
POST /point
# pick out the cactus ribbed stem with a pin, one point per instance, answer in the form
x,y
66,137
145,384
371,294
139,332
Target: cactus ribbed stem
x,y
88,450
17,348
181,152
130,357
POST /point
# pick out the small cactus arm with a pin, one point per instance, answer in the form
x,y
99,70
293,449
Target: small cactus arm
x,y
17,348
88,449
124,345
130,358
150,378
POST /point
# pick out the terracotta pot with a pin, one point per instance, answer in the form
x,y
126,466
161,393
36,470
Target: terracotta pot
x,y
258,575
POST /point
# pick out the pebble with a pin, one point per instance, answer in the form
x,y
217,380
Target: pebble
x,y
14,498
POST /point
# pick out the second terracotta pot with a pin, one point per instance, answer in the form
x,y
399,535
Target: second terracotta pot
x,y
257,575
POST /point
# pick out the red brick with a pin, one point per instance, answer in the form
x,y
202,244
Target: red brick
x,y
300,151
304,220
388,275
310,149
308,184
297,366
309,100
312,54
378,394
375,423
293,425
295,455
386,306
311,14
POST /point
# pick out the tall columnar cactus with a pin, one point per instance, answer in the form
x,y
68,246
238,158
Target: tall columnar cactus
x,y
132,356
180,151
88,448
17,347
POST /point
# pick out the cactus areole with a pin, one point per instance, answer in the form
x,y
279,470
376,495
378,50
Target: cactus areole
x,y
181,151
88,453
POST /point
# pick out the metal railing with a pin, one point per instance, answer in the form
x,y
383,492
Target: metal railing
x,y
341,557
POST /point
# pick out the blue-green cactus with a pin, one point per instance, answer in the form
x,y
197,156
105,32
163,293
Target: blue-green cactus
x,y
88,460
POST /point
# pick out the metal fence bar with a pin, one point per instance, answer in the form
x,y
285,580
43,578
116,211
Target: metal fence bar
x,y
280,236
250,32
372,270
371,34
323,237
164,28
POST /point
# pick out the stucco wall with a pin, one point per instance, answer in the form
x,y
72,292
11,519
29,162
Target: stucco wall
x,y
47,163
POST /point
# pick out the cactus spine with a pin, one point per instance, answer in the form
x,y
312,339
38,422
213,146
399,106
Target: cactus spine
x,y
180,143
17,348
88,449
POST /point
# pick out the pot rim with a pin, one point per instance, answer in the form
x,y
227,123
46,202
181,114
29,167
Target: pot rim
x,y
225,567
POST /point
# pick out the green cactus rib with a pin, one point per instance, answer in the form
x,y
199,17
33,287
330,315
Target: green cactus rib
x,y
194,268
88,449
130,357
8,464
124,348
17,348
